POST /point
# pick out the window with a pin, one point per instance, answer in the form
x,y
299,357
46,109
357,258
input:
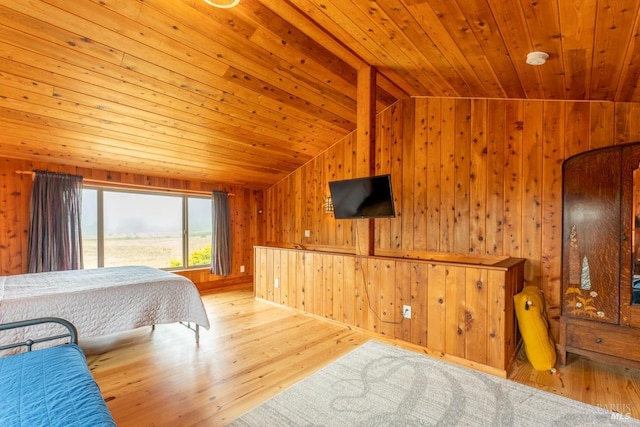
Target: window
x,y
157,230
89,228
199,242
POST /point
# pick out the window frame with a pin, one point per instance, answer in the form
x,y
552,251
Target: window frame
x,y
184,212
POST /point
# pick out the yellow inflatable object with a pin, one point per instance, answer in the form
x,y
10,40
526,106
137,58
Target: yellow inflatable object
x,y
534,328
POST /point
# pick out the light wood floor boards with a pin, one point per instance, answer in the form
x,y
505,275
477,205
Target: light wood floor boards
x,y
254,350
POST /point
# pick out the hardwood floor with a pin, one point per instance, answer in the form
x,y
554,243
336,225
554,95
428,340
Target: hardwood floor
x,y
254,350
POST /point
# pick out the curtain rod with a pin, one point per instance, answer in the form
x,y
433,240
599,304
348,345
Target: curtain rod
x,y
113,184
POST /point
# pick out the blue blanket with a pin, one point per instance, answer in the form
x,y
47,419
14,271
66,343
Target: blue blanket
x,y
50,387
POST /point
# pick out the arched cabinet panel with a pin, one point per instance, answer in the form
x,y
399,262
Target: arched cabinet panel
x,y
591,230
599,256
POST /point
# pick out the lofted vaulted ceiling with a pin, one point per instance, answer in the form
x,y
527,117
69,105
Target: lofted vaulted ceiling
x,y
246,95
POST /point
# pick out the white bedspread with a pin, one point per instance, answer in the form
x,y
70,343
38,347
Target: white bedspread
x,y
103,300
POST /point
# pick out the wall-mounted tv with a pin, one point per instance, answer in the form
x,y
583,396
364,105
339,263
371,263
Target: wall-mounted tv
x,y
367,197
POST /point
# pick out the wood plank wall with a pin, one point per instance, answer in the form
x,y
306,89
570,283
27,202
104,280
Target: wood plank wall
x,y
15,191
469,176
463,311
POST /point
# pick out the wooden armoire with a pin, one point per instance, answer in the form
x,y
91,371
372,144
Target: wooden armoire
x,y
600,254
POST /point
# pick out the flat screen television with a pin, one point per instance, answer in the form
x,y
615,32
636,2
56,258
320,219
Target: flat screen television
x,y
367,197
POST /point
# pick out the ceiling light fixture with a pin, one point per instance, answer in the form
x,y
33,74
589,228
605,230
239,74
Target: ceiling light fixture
x,y
537,58
222,4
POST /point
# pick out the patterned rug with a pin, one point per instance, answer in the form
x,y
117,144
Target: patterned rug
x,y
381,385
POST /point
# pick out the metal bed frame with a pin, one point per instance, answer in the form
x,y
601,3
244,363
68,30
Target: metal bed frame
x,y
72,333
195,328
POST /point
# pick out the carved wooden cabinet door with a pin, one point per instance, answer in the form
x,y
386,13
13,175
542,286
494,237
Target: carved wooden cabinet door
x,y
592,235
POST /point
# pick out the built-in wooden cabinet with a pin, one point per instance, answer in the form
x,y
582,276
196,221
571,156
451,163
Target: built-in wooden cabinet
x,y
461,308
600,252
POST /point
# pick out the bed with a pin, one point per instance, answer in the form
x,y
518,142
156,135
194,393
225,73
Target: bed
x,y
102,301
51,386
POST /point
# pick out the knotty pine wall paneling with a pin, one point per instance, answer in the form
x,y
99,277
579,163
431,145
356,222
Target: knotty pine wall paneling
x,y
469,176
495,130
550,232
460,311
15,192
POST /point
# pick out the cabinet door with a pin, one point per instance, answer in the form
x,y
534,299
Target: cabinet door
x,y
592,235
630,248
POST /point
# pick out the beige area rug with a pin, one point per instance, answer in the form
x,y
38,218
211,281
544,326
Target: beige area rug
x,y
381,385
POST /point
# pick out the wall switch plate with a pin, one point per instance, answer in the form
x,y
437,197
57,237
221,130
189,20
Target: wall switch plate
x,y
242,269
276,283
406,311
307,233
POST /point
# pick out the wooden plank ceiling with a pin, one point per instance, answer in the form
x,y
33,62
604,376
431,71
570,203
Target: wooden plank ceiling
x,y
247,95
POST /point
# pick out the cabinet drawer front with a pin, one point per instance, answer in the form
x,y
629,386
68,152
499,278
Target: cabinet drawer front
x,y
605,340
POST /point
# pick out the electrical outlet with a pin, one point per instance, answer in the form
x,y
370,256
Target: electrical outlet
x,y
406,311
276,283
307,233
242,269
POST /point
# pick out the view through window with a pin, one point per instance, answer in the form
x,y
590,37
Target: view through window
x,y
199,243
138,228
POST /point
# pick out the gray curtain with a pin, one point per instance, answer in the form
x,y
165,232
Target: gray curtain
x,y
55,239
221,234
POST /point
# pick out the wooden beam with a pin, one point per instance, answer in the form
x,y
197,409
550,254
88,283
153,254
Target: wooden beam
x,y
365,150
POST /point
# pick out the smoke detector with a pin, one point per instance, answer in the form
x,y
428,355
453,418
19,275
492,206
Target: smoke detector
x,y
537,58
